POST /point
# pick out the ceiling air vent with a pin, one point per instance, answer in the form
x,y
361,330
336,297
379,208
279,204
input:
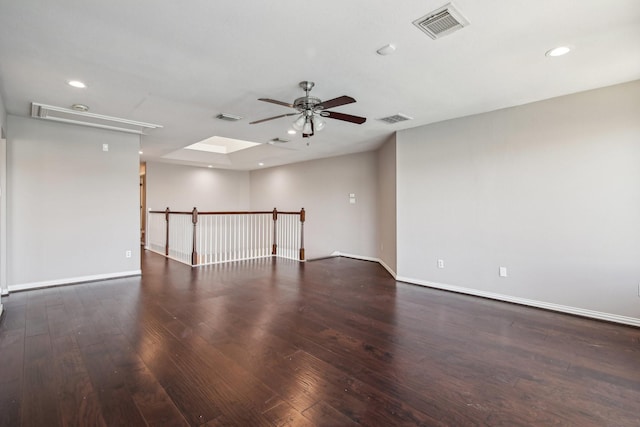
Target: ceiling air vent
x,y
396,118
77,116
441,22
278,141
228,117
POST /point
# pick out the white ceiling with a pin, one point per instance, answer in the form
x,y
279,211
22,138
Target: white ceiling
x,y
179,64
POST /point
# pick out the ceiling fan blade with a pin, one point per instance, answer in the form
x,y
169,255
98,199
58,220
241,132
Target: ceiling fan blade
x,y
271,118
273,101
336,102
345,117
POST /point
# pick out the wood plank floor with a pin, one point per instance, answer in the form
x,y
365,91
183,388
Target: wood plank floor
x,y
334,342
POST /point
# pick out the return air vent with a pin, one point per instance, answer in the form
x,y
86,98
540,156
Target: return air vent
x,y
396,118
441,22
278,141
228,117
83,118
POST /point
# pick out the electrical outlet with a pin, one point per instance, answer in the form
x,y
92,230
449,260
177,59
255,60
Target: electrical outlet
x,y
105,147
503,271
440,263
127,254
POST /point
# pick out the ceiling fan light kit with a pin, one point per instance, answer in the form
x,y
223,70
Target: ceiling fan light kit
x,y
311,111
299,123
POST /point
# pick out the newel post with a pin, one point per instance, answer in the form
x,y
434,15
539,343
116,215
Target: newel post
x,y
275,221
166,242
302,218
194,253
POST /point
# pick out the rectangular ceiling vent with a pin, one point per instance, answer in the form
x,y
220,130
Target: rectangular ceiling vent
x,y
83,118
441,22
228,117
278,141
396,118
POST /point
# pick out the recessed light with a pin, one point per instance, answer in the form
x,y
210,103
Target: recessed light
x,y
140,152
76,83
210,166
558,51
291,132
260,164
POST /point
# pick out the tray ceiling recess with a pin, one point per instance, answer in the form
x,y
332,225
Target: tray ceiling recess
x,y
83,118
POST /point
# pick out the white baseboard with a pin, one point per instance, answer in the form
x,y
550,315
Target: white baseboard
x,y
362,257
72,280
386,267
1,309
524,301
625,320
366,258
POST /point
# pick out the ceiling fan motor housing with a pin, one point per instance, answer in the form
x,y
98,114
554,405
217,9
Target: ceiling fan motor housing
x,y
306,103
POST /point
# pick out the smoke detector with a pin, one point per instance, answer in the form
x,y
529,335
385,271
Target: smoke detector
x,y
442,21
80,107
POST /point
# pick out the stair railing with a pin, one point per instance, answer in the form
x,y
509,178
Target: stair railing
x,y
202,238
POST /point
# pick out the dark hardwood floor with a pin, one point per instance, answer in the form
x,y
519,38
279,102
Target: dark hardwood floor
x,y
335,342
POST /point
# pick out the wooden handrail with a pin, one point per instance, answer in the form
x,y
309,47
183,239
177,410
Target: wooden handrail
x,y
194,213
226,213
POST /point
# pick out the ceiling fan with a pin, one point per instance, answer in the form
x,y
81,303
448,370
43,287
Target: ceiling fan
x,y
312,111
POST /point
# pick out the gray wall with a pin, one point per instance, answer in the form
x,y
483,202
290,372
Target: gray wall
x,y
3,202
3,118
184,187
550,190
73,209
3,205
4,289
323,187
387,204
